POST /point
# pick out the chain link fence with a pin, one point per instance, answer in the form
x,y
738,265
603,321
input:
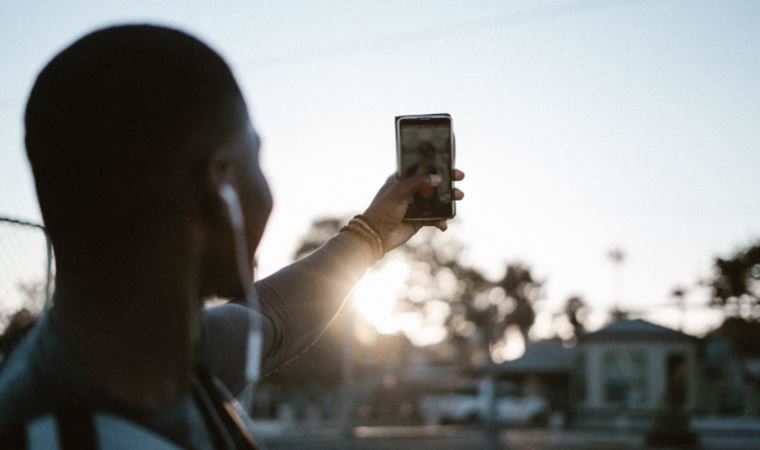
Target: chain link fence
x,y
26,269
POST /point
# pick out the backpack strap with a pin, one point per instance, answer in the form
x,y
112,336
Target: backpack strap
x,y
62,431
76,430
43,433
88,430
224,410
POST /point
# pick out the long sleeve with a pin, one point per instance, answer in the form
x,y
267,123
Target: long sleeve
x,y
297,305
302,299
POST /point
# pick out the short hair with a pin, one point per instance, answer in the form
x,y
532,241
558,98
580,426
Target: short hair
x,y
118,121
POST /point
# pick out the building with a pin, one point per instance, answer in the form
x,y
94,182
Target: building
x,y
543,371
733,380
627,373
632,369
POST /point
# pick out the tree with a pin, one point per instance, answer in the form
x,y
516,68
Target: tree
x,y
319,232
744,335
735,283
476,306
32,296
735,288
576,310
480,310
18,325
524,290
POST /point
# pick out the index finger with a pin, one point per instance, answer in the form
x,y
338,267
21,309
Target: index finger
x,y
458,175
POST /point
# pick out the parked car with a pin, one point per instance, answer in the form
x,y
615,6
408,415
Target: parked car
x,y
462,408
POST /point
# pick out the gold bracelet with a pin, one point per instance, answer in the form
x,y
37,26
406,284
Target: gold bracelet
x,y
371,237
366,237
362,221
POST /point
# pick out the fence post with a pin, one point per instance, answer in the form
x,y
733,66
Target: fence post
x,y
49,273
348,388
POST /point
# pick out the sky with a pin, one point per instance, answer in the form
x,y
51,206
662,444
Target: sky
x,y
581,125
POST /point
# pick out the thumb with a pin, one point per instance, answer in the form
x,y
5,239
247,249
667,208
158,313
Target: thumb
x,y
409,186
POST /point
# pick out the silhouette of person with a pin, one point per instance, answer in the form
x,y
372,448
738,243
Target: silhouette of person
x,y
134,134
426,165
429,161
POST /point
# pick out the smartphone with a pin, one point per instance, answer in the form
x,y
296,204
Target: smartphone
x,y
425,144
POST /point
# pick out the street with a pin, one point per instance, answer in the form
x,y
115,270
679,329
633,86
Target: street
x,y
472,438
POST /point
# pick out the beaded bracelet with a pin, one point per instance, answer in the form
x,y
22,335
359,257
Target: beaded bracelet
x,y
361,227
363,221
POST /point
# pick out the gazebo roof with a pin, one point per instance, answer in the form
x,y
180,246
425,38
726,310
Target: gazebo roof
x,y
636,328
539,358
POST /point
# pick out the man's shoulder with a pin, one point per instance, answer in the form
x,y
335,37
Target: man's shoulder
x,y
34,413
22,389
223,349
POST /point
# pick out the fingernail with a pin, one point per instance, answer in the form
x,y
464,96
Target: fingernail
x,y
435,180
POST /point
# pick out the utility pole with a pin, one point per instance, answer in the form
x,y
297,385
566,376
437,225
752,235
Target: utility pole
x,y
616,257
488,393
348,388
679,298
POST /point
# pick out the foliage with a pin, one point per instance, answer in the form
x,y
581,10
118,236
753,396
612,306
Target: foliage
x,y
576,310
479,310
319,232
735,284
523,289
21,322
32,294
744,335
735,288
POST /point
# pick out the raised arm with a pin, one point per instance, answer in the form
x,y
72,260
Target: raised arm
x,y
300,301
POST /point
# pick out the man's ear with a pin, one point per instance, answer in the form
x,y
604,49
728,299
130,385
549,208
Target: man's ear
x,y
217,172
219,267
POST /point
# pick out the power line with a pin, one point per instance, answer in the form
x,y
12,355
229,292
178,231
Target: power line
x,y
538,15
23,223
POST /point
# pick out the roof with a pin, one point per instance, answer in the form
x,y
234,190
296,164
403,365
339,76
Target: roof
x,y
636,328
539,358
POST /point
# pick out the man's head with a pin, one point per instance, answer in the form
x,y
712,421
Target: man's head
x,y
131,130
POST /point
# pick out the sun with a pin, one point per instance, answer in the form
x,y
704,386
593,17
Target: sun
x,y
375,295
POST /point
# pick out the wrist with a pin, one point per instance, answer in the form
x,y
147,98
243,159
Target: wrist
x,y
361,227
360,246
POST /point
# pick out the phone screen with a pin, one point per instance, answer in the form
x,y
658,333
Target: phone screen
x,y
425,147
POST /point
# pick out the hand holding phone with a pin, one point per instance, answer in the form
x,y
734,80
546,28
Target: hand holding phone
x,y
425,145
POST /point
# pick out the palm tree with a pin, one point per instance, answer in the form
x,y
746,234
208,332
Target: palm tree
x,y
524,290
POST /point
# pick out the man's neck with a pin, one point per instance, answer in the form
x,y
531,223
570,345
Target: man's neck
x,y
133,327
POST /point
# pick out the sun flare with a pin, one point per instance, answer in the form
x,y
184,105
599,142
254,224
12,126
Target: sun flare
x,y
375,296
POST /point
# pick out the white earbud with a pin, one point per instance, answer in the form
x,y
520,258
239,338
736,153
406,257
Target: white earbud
x,y
255,341
231,199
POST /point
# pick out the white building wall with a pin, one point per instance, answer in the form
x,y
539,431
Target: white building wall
x,y
657,381
594,378
656,354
